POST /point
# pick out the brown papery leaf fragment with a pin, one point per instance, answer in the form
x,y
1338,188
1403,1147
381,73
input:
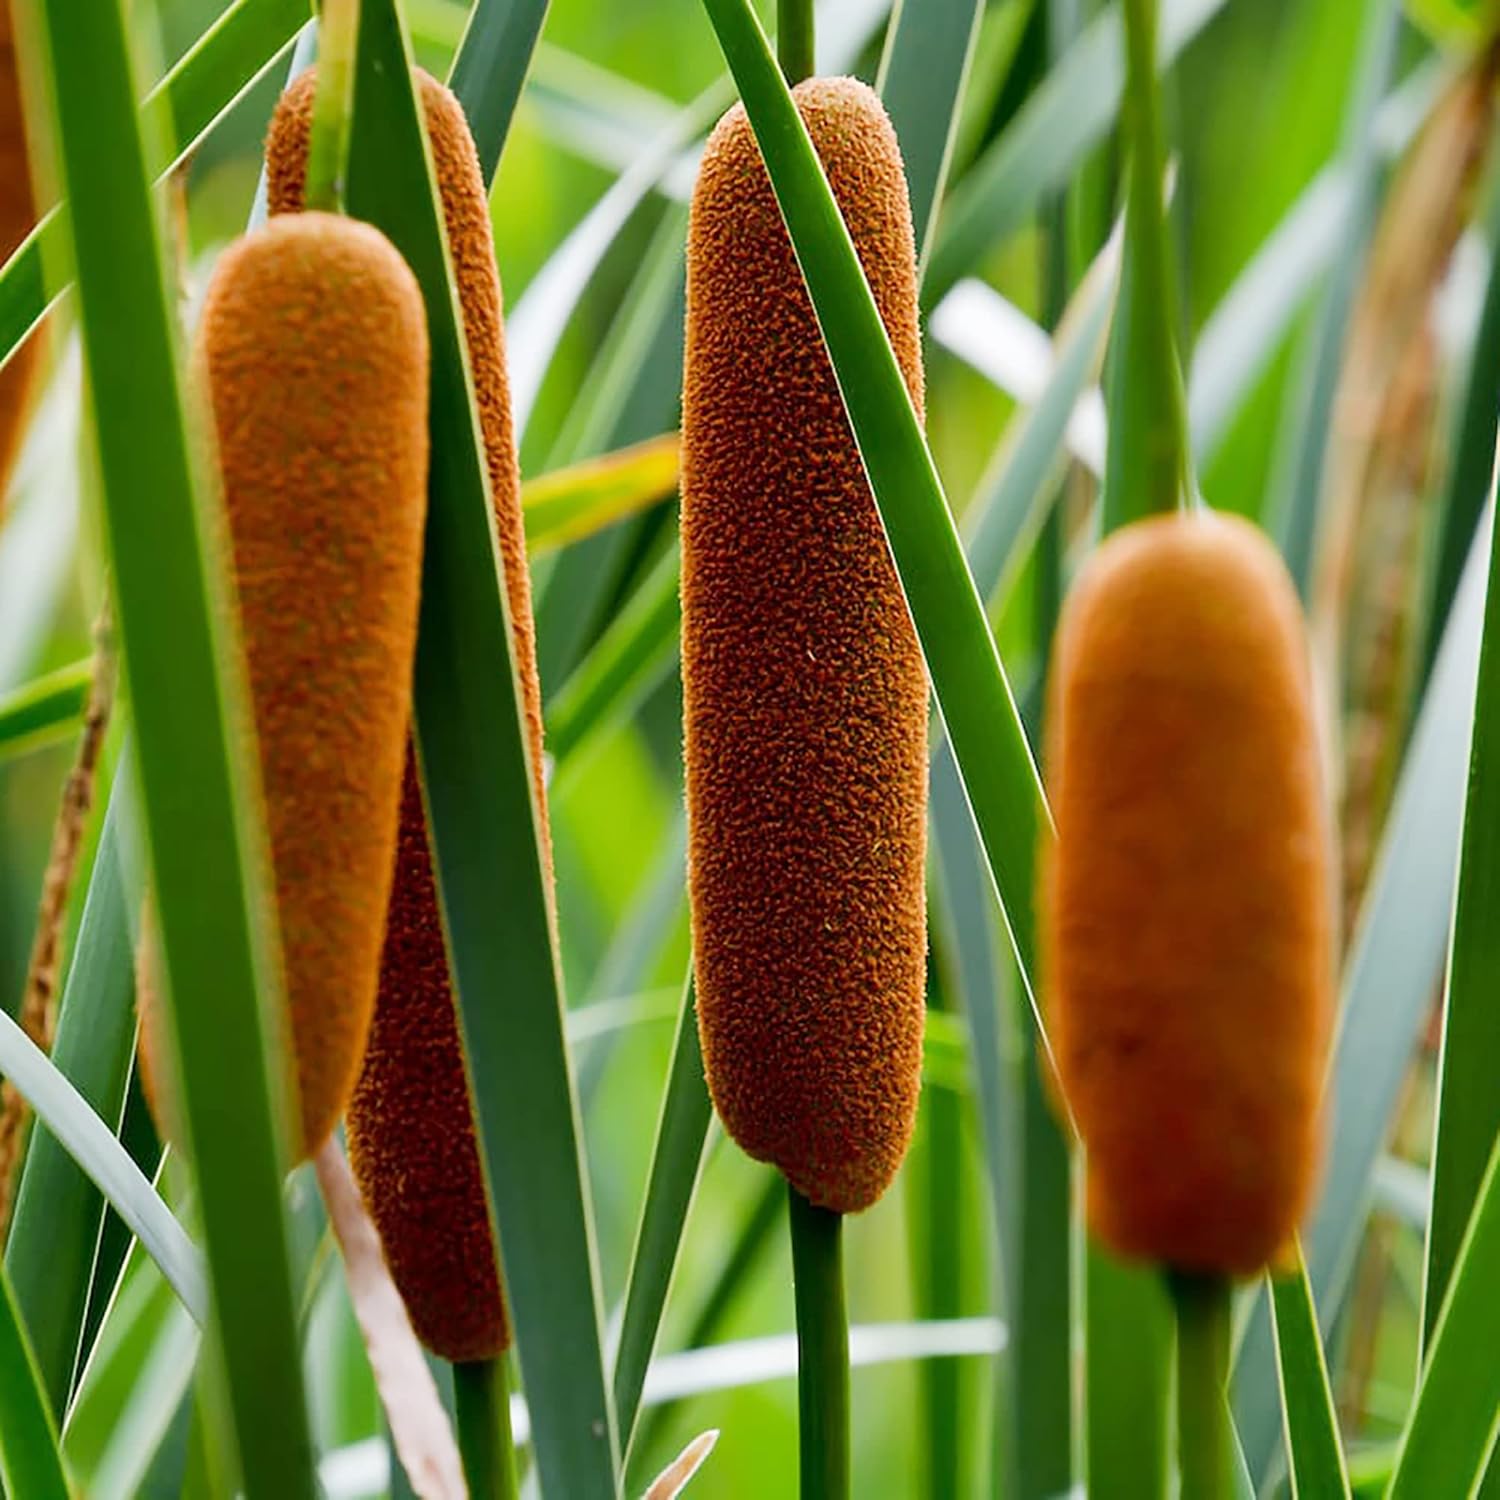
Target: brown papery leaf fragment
x,y
419,1425
673,1480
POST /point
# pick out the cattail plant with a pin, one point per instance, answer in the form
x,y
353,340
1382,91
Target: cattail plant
x,y
805,707
313,349
411,1133
1188,919
1186,933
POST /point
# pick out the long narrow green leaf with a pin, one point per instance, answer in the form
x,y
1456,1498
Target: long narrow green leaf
x,y
632,656
489,70
1468,1117
676,1163
1038,151
175,117
1471,463
93,1146
1299,476
44,710
1012,499
195,754
1314,1452
538,320
1395,959
30,1463
473,748
1128,1378
1240,336
929,48
999,774
1147,468
138,1372
1040,1293
49,1255
936,1215
964,920
575,502
1456,1420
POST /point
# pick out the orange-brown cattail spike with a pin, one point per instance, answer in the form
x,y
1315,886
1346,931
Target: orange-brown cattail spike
x,y
17,215
805,696
411,1134
1187,917
313,344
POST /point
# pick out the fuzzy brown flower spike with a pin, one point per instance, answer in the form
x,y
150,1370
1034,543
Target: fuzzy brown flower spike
x,y
411,1134
1187,906
805,696
313,345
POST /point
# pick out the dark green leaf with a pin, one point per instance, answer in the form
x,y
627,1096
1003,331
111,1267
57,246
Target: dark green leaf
x,y
30,1463
49,1255
45,710
194,751
1314,1451
474,754
676,1161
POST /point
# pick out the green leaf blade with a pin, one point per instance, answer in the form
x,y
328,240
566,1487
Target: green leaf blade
x,y
194,754
474,756
30,1461
49,1255
1314,1450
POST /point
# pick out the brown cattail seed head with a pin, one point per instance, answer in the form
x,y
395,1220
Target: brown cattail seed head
x,y
313,345
411,1134
1187,920
805,696
17,216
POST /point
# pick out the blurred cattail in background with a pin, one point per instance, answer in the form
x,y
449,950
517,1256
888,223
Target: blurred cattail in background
x,y
1187,905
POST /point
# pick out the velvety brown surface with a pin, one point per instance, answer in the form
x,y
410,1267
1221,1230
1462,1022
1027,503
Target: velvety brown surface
x,y
411,1134
17,215
805,695
313,345
1187,906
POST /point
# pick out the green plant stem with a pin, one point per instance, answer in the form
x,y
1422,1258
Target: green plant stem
x,y
328,151
481,1398
1150,285
822,1349
794,39
1203,1343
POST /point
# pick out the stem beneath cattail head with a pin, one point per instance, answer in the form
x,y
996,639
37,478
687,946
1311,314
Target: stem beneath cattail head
x,y
822,1349
481,1399
1203,1340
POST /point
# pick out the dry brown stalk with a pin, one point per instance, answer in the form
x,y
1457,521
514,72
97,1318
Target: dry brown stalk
x,y
38,1014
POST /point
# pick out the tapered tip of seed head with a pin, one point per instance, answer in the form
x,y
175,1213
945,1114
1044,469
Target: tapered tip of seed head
x,y
411,1136
805,694
1186,902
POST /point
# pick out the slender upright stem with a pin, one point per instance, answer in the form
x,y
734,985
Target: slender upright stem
x,y
794,39
822,1349
1153,296
482,1405
328,150
1203,1341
